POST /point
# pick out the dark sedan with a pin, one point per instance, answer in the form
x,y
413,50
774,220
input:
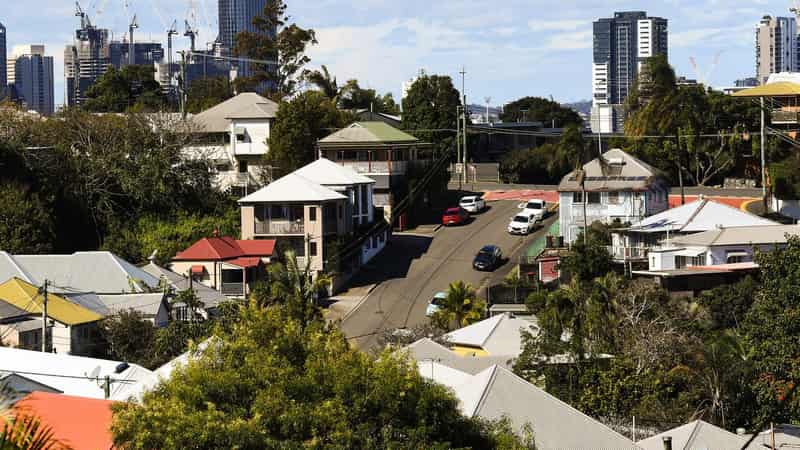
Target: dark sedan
x,y
488,258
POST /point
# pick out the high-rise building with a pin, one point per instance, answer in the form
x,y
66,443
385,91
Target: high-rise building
x,y
33,78
776,47
144,53
3,68
85,61
236,16
621,45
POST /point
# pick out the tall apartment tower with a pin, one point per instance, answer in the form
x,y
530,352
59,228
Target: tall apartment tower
x,y
33,78
776,47
3,68
86,60
621,45
236,16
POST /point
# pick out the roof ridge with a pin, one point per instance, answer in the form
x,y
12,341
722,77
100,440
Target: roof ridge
x,y
494,328
131,280
485,392
19,268
696,212
693,435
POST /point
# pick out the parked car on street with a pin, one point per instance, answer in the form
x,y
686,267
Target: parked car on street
x,y
435,303
488,258
522,223
455,216
472,203
535,206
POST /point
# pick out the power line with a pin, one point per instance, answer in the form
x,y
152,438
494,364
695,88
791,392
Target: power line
x,y
72,377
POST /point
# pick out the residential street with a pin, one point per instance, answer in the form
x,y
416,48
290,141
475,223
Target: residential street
x,y
416,266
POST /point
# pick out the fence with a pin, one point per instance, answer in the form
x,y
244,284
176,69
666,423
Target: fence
x,y
507,295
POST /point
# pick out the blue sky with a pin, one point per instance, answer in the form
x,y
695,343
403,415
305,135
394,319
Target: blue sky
x,y
510,49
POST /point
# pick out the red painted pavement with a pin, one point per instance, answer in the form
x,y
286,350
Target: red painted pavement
x,y
552,197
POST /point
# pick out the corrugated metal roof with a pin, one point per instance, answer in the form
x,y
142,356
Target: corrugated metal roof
x,y
697,216
778,89
327,173
498,335
217,118
697,435
614,171
25,296
774,234
292,188
368,132
211,298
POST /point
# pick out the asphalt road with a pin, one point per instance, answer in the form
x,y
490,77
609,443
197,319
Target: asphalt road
x,y
413,267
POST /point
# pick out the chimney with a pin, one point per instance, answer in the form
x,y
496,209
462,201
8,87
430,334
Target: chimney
x,y
667,442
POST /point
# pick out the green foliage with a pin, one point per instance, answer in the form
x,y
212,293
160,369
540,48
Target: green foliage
x,y
431,105
207,92
166,237
22,431
130,89
274,39
353,96
26,225
588,260
299,124
276,383
537,109
728,305
549,162
325,82
461,307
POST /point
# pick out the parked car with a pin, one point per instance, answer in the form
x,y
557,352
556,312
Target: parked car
x,y
522,223
488,258
455,216
435,303
535,206
472,203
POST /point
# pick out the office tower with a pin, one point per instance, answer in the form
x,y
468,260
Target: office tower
x,y
776,47
85,61
236,16
621,46
3,68
33,78
145,53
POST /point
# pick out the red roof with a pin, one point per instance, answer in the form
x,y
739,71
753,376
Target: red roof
x,y
80,423
244,262
224,248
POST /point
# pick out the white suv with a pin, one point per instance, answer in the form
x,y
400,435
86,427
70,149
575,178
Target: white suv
x,y
522,223
536,207
472,203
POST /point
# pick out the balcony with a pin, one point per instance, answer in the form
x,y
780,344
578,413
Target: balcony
x,y
279,227
786,116
619,253
233,289
249,148
395,167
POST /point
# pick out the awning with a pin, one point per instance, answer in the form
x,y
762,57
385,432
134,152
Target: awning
x,y
198,269
779,89
691,253
244,263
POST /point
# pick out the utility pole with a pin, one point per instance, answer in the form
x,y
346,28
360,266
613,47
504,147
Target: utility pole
x,y
182,85
763,157
464,104
44,316
458,142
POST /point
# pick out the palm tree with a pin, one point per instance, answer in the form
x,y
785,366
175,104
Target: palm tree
x,y
294,288
460,307
325,82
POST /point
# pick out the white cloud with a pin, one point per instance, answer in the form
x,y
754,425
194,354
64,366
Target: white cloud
x,y
570,41
557,25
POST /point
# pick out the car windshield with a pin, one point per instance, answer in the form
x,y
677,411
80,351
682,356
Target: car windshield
x,y
437,301
485,254
452,211
467,201
523,219
534,205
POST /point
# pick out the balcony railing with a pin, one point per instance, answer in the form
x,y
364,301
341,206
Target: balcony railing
x,y
279,227
619,253
785,116
233,289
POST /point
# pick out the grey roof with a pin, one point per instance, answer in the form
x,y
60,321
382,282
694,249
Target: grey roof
x,y
697,216
498,335
99,272
327,173
146,304
22,385
9,268
211,298
614,171
497,392
9,311
697,435
427,350
292,188
759,235
786,436
247,105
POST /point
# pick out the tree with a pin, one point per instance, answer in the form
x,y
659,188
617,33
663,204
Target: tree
x,y
132,88
274,39
353,97
26,225
294,288
326,83
274,383
207,92
537,109
460,307
587,261
431,104
299,124
129,337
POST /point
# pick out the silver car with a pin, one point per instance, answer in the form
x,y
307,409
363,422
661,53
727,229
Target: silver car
x,y
472,203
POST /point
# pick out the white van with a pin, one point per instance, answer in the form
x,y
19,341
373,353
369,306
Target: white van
x,y
523,223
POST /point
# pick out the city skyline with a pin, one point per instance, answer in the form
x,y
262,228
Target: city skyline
x,y
516,49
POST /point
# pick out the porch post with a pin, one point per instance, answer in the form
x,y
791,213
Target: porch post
x,y
244,281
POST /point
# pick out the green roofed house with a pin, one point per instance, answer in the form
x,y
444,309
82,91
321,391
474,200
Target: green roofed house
x,y
381,152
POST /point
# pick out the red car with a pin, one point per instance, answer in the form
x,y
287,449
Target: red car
x,y
455,216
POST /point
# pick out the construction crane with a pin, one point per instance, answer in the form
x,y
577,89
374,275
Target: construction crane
x,y
131,49
795,8
702,77
79,12
171,32
191,33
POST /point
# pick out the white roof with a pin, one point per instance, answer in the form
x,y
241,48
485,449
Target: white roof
x,y
426,349
498,335
73,375
135,391
762,235
327,173
697,435
697,216
292,188
497,392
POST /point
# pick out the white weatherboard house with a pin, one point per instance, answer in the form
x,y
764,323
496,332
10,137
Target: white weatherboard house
x,y
634,243
233,135
617,186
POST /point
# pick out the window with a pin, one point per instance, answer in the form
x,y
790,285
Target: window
x,y
594,197
363,156
699,260
242,166
613,198
312,214
340,212
312,248
680,262
364,200
577,197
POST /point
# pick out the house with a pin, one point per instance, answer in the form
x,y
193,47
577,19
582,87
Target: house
x,y
234,135
210,298
77,422
500,335
427,349
381,152
497,393
632,244
365,115
700,261
153,307
697,435
72,329
230,266
20,385
617,186
72,375
780,436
